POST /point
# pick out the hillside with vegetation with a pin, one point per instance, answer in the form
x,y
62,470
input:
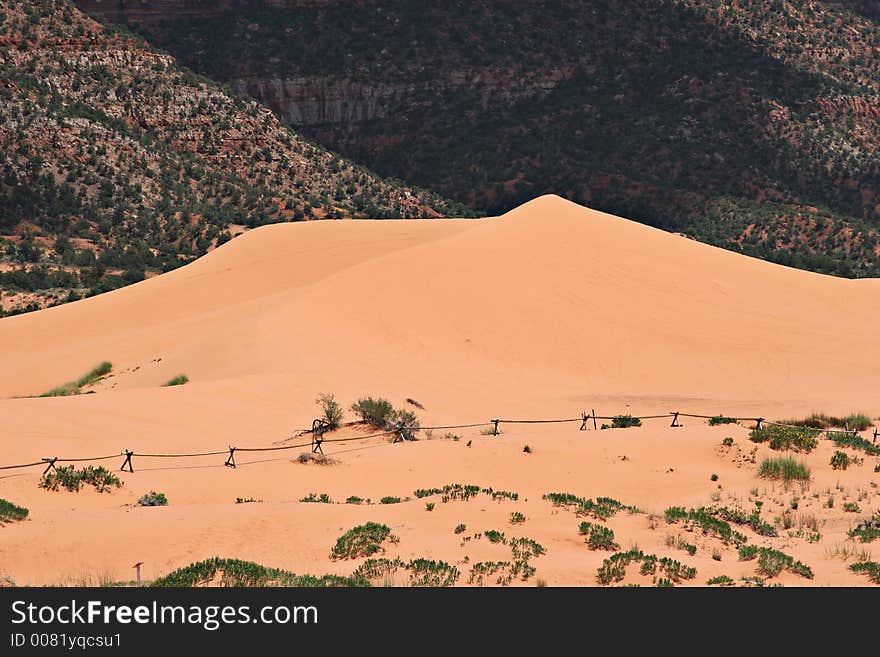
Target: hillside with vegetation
x,y
752,125
117,164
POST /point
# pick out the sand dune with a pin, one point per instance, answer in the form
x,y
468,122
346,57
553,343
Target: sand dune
x,y
545,311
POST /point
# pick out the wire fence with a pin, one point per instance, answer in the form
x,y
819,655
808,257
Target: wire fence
x,y
403,433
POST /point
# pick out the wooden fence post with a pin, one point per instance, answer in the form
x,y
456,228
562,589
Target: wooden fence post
x,y
230,461
593,410
584,418
127,461
495,429
51,465
675,422
758,423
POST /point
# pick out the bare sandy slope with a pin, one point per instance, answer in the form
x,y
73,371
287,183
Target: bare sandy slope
x,y
548,310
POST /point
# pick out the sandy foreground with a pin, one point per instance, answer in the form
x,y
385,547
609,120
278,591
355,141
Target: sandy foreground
x,y
545,312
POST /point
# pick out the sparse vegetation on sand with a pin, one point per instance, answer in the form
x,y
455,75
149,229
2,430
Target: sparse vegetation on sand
x,y
382,415
839,460
623,422
361,541
71,479
460,528
75,387
720,419
598,537
796,439
427,572
316,458
237,573
178,380
857,421
869,568
331,411
323,498
721,580
844,439
390,499
867,531
517,518
772,562
246,500
715,521
602,508
10,512
153,499
784,468
613,569
464,492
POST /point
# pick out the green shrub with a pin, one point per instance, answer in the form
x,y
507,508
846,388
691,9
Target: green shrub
x,y
721,580
178,380
429,506
373,411
427,572
727,442
839,461
623,422
74,387
843,439
798,439
516,518
772,562
720,419
857,421
376,569
323,498
332,411
867,531
869,568
10,512
237,573
71,479
495,536
598,537
613,569
784,468
602,508
361,541
851,507
390,500
354,499
460,529
714,477
153,499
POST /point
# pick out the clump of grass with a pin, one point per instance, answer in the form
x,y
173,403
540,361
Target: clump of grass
x,y
178,380
354,499
75,387
430,573
727,442
330,409
598,537
361,541
483,569
429,506
389,499
323,498
867,531
10,512
623,422
784,468
237,573
772,562
377,569
613,569
316,458
153,499
839,460
246,500
495,536
720,419
857,421
844,439
71,479
851,507
797,439
679,543
721,580
516,518
602,508
869,568
706,520
460,529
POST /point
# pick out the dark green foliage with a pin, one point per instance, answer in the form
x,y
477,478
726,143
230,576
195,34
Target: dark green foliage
x,y
331,410
354,499
153,499
839,460
785,468
797,439
10,512
373,411
495,536
237,573
598,537
427,572
517,518
857,421
613,569
177,381
867,531
721,580
451,492
71,479
851,507
842,439
714,477
602,508
727,442
429,506
377,569
323,498
772,562
483,569
869,568
720,419
361,541
390,500
623,422
460,529
75,387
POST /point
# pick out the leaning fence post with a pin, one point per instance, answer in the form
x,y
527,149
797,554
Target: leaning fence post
x,y
584,418
318,429
495,429
593,410
51,465
230,461
675,422
127,461
876,433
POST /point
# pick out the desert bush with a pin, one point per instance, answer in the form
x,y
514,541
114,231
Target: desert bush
x,y
71,479
460,529
869,568
10,512
354,499
867,531
389,499
602,508
844,439
323,498
851,507
373,411
613,569
721,580
178,380
74,387
784,468
797,439
727,442
517,518
429,506
772,562
237,573
623,422
720,419
857,421
598,537
153,499
361,541
527,449
246,500
839,461
495,536
377,569
427,572
331,410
